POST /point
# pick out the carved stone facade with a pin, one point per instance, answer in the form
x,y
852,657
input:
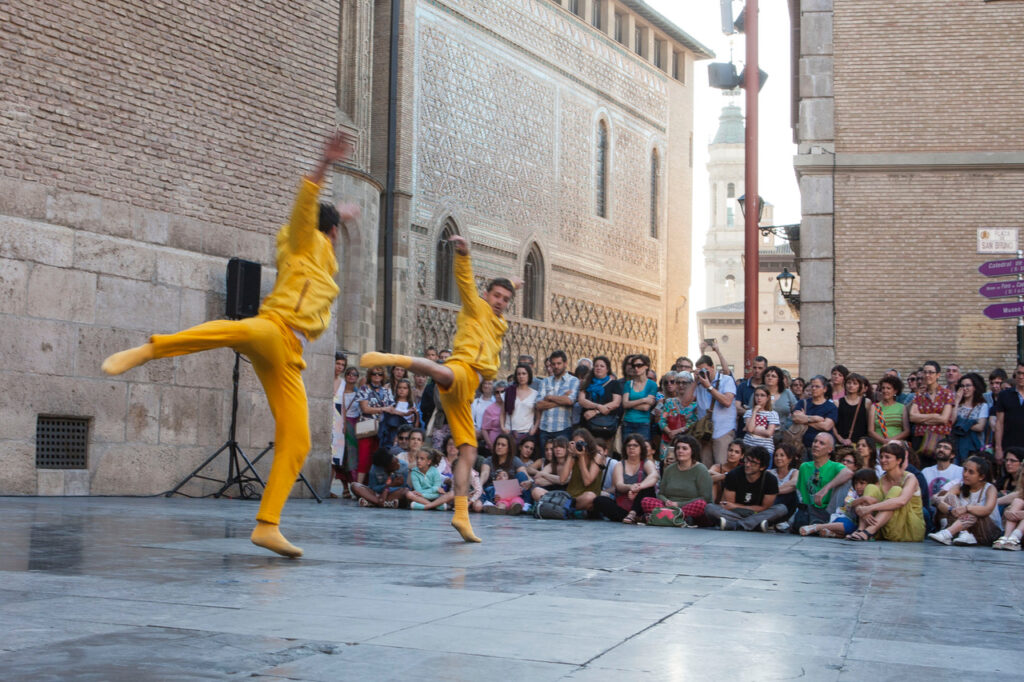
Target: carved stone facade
x,y
505,109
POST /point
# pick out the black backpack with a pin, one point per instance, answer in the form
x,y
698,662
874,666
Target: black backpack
x,y
556,504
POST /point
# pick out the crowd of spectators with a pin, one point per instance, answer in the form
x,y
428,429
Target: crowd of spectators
x,y
836,456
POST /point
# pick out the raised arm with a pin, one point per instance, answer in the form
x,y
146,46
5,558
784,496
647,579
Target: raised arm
x,y
305,212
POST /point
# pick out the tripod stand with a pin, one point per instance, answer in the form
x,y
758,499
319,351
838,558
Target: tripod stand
x,y
243,477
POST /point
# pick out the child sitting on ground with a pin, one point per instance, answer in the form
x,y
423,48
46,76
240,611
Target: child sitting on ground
x,y
971,507
844,520
428,491
386,484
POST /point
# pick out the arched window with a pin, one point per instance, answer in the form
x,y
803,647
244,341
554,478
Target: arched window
x,y
533,285
730,190
654,193
730,281
601,172
444,262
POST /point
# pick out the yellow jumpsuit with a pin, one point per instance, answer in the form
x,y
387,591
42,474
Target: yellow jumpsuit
x,y
475,355
299,303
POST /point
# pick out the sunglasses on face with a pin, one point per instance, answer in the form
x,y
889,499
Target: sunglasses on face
x,y
638,365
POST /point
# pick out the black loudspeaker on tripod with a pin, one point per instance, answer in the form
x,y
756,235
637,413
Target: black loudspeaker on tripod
x,y
243,300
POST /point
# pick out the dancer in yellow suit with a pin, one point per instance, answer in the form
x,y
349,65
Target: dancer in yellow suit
x,y
480,328
297,310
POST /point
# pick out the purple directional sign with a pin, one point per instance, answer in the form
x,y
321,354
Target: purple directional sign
x,y
1000,311
1000,289
997,268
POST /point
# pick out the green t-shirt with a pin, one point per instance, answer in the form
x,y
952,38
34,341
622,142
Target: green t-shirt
x,y
684,487
807,485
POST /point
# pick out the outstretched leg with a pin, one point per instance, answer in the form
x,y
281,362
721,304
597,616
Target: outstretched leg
x,y
441,374
235,334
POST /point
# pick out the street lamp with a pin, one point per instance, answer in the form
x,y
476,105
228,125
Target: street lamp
x,y
743,206
786,279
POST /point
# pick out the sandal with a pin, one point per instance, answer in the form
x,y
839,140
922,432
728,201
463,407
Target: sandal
x,y
390,504
861,536
807,530
364,503
630,518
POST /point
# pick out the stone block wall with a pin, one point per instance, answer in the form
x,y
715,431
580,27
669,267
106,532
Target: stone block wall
x,y
141,146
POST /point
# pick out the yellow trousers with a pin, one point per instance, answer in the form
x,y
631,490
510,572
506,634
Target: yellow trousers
x,y
456,401
276,356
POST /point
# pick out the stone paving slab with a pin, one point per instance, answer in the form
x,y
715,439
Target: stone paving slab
x,y
171,589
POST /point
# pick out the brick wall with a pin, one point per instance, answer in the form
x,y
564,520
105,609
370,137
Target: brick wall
x,y
141,144
919,76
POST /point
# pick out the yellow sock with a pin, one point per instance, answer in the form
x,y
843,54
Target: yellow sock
x,y
268,535
119,363
460,521
374,359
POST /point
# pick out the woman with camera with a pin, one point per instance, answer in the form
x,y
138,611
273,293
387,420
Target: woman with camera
x,y
586,470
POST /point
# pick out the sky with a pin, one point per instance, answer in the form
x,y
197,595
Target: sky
x,y
702,20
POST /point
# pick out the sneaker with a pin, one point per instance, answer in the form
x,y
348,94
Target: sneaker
x,y
965,538
527,508
943,536
725,524
782,527
1012,544
418,506
443,507
765,527
1000,542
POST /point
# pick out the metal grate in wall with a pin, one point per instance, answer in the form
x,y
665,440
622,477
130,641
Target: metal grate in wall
x,y
61,442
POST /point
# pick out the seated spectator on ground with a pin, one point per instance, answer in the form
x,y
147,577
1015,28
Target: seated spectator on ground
x,y
1013,518
600,397
818,413
893,509
634,479
587,470
748,502
944,474
415,444
843,520
817,481
449,453
386,484
733,460
504,465
1007,482
428,489
528,454
786,474
685,482
554,475
760,421
401,444
970,507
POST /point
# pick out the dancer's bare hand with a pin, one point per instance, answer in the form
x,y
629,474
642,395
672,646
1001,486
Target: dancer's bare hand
x,y
460,244
517,282
338,147
349,211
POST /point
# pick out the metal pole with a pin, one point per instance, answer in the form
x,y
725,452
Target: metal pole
x,y
751,275
1020,320
389,198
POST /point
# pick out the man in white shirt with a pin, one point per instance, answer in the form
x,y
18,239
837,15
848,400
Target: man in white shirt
x,y
945,474
714,391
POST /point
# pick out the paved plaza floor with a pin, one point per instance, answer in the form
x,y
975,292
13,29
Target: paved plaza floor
x,y
171,589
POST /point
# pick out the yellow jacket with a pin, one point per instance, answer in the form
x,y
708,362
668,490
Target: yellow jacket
x,y
306,265
478,330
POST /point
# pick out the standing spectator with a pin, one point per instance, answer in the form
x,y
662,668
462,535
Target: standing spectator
x,y
526,359
760,421
714,391
889,420
749,498
817,479
490,422
837,383
431,354
346,409
683,364
639,396
953,375
853,410
997,381
484,399
557,396
375,400
902,396
745,390
783,399
798,386
931,413
971,416
676,417
1010,415
419,386
817,412
600,396
519,416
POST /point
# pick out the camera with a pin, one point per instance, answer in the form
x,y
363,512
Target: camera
x,y
704,373
580,445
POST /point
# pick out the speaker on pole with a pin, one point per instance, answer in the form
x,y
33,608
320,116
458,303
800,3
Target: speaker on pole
x,y
243,287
